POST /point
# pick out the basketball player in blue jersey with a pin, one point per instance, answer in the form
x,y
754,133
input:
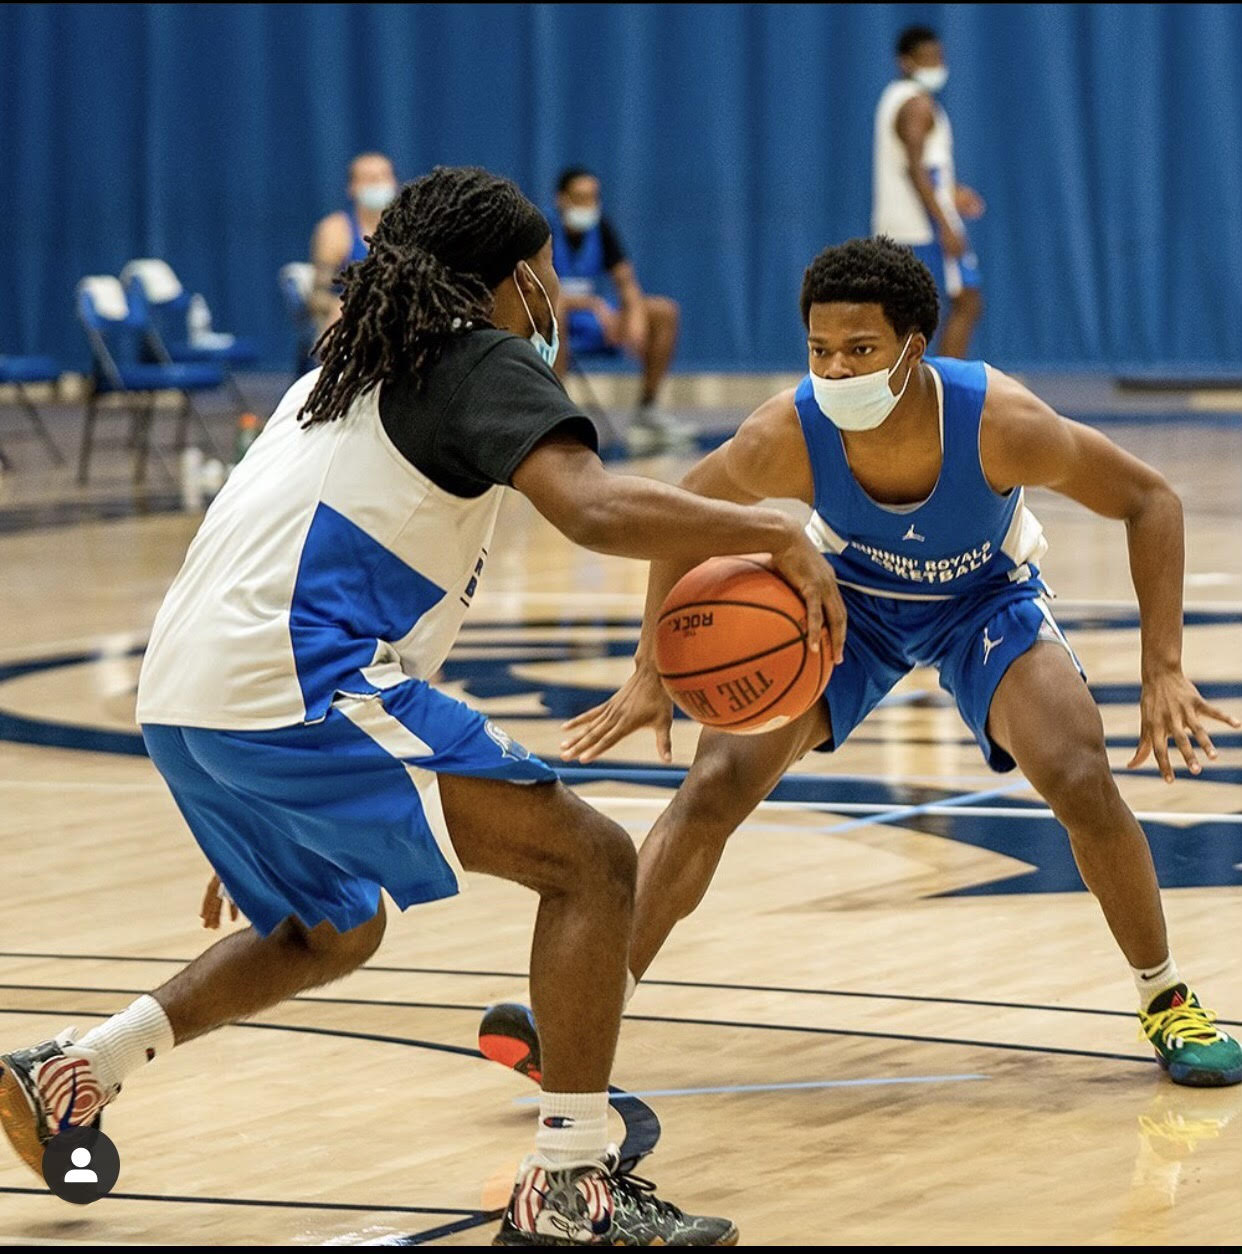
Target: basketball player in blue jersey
x,y
914,469
285,695
340,238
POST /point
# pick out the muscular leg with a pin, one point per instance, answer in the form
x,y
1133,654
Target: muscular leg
x,y
730,776
542,836
582,866
663,319
246,973
959,326
1045,717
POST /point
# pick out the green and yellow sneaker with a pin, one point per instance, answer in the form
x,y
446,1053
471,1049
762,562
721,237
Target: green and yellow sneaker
x,y
1188,1044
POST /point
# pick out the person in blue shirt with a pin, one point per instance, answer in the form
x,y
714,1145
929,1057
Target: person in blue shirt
x,y
341,237
914,469
591,261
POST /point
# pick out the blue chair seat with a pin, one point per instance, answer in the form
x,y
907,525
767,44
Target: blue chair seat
x,y
29,370
241,352
152,376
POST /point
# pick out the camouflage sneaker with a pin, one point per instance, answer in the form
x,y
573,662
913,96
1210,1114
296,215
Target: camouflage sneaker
x,y
599,1203
46,1089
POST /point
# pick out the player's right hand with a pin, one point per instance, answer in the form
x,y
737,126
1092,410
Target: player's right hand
x,y
640,702
803,567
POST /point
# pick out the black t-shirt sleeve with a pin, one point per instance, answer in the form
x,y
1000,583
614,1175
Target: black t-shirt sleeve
x,y
614,250
478,435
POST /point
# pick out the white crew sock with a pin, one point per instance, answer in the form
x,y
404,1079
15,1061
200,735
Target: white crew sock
x,y
573,1127
1152,981
128,1040
631,984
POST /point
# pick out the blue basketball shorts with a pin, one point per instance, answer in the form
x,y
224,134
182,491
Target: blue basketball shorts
x,y
952,274
586,335
971,640
313,820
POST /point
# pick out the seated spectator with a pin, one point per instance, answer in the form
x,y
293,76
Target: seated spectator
x,y
340,237
588,253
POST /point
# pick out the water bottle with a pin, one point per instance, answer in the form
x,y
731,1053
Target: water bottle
x,y
191,478
248,428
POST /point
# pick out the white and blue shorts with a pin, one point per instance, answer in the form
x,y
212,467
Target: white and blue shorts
x,y
313,820
952,274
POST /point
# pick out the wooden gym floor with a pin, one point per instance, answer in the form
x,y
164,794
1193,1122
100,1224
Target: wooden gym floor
x,y
897,1018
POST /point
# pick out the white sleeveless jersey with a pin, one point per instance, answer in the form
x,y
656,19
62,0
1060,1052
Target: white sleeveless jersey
x,y
896,209
327,564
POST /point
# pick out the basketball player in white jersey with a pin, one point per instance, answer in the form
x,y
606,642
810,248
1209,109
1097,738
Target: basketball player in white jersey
x,y
916,199
285,693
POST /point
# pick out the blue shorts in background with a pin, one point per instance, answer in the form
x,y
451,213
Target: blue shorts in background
x,y
313,820
951,274
971,640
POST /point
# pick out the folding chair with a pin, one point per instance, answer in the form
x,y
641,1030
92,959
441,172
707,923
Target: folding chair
x,y
18,371
172,337
119,338
296,280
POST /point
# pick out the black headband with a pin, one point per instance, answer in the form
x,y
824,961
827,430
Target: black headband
x,y
501,261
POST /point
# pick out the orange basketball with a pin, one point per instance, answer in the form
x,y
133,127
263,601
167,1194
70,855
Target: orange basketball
x,y
731,647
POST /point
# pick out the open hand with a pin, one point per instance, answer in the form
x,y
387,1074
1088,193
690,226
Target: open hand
x,y
640,702
1173,709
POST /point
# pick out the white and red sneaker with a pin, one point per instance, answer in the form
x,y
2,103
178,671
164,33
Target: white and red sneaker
x,y
46,1089
599,1203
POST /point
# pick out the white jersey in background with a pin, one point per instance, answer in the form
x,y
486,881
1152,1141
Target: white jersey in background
x,y
327,564
896,210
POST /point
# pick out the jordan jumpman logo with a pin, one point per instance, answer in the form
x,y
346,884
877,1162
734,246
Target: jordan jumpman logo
x,y
989,645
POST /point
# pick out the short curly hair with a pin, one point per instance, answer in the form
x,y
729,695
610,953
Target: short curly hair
x,y
874,271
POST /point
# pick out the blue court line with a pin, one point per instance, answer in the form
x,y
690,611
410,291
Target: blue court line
x,y
906,812
777,1088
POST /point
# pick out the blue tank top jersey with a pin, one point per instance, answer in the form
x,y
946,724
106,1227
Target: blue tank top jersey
x,y
964,538
578,268
358,246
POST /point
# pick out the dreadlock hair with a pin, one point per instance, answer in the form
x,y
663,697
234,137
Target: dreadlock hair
x,y
874,271
438,252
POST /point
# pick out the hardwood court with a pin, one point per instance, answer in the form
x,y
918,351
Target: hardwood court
x,y
897,1018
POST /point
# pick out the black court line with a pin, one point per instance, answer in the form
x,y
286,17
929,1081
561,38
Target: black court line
x,y
471,1214
709,1023
523,975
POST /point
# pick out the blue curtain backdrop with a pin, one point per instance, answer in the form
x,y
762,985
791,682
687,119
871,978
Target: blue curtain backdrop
x,y
733,140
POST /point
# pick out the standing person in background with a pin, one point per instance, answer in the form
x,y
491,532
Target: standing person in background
x,y
587,250
341,237
916,198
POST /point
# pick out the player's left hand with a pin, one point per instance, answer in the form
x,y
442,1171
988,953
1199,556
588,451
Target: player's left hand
x,y
969,203
213,903
1173,709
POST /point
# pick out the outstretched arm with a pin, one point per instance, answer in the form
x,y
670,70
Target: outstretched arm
x,y
1023,441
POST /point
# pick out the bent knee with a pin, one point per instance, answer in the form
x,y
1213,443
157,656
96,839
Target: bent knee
x,y
663,309
340,951
1078,785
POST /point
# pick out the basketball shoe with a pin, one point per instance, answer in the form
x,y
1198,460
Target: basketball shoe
x,y
46,1089
1188,1045
599,1203
507,1035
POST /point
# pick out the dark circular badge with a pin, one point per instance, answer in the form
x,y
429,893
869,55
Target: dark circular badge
x,y
81,1165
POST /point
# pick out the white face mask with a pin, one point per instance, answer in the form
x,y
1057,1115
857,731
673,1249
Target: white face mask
x,y
546,350
862,402
376,196
931,77
581,219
